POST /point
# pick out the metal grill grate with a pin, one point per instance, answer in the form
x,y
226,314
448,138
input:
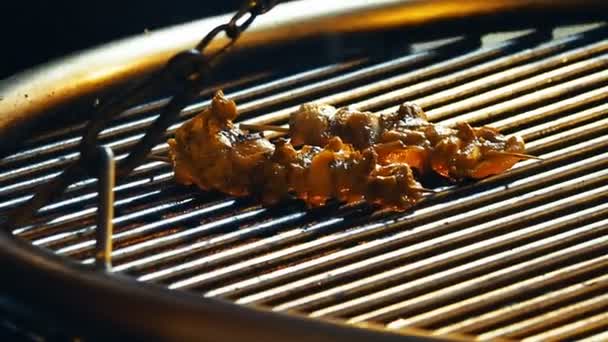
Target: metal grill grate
x,y
519,255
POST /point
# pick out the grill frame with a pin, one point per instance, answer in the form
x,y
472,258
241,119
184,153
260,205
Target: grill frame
x,y
121,302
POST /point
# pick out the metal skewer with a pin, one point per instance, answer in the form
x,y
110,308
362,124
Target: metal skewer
x,y
515,154
259,128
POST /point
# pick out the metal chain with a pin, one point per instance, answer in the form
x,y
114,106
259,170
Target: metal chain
x,y
186,71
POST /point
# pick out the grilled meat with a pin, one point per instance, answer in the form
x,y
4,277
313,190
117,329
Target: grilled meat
x,y
211,152
406,136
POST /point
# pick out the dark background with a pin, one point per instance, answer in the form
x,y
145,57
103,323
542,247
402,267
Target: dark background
x,y
33,32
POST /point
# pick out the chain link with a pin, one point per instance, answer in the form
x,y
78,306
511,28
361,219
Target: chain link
x,y
186,71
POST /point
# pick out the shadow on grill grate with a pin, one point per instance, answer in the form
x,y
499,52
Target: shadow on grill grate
x,y
519,255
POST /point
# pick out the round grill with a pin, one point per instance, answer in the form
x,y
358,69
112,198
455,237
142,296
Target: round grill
x,y
515,256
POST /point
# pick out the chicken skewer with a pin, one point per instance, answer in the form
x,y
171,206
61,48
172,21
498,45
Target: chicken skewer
x,y
212,153
406,136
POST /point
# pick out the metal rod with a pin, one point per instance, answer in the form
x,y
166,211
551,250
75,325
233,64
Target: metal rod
x,y
259,128
105,208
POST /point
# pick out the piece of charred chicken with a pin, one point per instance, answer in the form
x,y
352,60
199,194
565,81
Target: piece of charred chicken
x,y
339,171
211,152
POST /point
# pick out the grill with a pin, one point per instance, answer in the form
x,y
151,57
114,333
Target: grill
x,y
517,256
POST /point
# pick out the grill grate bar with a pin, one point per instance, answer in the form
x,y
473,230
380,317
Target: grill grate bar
x,y
136,188
495,279
78,198
563,123
52,236
152,227
232,220
197,280
565,332
514,89
601,336
456,236
210,244
282,239
502,295
581,132
454,79
416,77
148,173
499,78
523,309
316,300
576,329
338,81
547,112
473,87
491,112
